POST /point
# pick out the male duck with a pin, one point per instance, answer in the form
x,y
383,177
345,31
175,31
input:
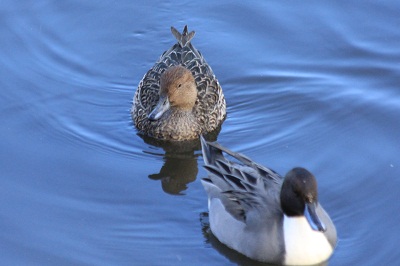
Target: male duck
x,y
257,213
179,98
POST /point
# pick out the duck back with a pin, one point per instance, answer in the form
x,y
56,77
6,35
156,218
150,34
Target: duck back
x,y
210,107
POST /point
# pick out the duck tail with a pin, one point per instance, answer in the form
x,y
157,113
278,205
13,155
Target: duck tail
x,y
183,38
206,150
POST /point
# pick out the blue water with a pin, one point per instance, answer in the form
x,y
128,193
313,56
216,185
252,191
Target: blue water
x,y
312,84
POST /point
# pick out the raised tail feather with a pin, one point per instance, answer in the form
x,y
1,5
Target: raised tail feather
x,y
213,155
183,38
209,152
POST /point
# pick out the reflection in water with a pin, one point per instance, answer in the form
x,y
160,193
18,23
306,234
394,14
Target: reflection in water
x,y
180,162
224,250
176,173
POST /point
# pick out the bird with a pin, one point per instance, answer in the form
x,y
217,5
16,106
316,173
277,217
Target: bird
x,y
179,98
257,212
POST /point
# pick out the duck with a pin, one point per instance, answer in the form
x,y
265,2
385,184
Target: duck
x,y
258,213
179,98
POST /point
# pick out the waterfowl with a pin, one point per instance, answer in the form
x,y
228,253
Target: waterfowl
x,y
179,98
256,212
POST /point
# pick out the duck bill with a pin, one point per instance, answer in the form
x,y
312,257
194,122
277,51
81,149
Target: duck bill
x,y
161,107
312,217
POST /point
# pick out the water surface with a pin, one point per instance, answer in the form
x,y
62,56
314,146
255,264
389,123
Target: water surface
x,y
311,84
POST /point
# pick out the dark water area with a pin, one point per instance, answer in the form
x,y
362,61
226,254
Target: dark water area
x,y
312,84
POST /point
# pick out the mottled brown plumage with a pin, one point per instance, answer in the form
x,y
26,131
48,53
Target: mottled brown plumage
x,y
179,98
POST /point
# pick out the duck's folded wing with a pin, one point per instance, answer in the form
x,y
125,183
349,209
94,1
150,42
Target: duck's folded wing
x,y
146,95
236,203
241,185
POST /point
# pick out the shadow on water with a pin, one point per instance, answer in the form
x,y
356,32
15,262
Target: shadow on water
x,y
178,171
230,254
180,162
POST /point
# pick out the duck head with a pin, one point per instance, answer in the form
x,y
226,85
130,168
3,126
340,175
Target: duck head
x,y
177,91
299,197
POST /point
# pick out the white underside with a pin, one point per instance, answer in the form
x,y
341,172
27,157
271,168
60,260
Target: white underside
x,y
303,245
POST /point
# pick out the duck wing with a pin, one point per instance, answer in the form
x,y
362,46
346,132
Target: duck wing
x,y
241,185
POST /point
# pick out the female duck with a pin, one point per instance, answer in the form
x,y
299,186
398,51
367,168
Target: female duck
x,y
179,98
257,213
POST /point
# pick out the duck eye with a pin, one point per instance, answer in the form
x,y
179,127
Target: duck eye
x,y
180,85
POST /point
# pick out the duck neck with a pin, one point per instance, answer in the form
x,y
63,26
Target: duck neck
x,y
303,245
182,112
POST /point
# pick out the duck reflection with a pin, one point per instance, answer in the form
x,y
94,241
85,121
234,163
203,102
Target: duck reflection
x,y
180,162
230,254
176,173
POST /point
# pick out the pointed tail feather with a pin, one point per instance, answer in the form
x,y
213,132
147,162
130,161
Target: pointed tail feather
x,y
183,38
213,154
209,152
